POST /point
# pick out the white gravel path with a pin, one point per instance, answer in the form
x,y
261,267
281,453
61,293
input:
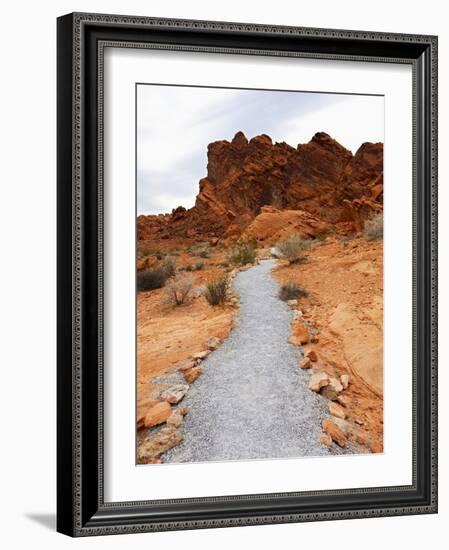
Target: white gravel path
x,y
252,400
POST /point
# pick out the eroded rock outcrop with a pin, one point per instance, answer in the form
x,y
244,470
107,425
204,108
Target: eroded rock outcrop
x,y
321,181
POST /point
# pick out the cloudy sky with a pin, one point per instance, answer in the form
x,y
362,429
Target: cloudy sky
x,y
176,123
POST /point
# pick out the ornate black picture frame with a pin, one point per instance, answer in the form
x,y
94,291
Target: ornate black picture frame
x,y
81,509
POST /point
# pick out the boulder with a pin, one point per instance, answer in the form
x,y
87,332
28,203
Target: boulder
x,y
346,427
334,432
305,363
154,445
175,393
157,414
329,393
192,374
292,303
375,446
311,354
325,439
201,354
300,334
336,385
343,400
337,410
186,365
318,380
361,437
213,343
344,379
175,419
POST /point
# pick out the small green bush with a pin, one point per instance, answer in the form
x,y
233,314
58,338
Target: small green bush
x,y
198,266
291,291
374,227
150,279
243,253
216,291
293,249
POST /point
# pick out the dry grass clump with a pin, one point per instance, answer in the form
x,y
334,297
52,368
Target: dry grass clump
x,y
293,249
151,279
202,250
374,227
216,291
169,266
243,253
177,291
291,291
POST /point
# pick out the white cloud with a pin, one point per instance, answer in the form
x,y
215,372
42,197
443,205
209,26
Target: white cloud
x,y
351,122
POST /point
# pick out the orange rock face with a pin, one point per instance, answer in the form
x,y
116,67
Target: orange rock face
x,y
192,374
157,414
320,180
337,435
300,334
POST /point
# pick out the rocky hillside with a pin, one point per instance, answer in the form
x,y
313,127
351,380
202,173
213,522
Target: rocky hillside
x,y
327,186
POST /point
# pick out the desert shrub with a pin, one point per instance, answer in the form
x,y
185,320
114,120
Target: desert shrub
x,y
321,237
177,291
198,266
143,251
293,249
189,267
199,249
291,291
243,253
374,227
225,264
216,291
150,279
169,266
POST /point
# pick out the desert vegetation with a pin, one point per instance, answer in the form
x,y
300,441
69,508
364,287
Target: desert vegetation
x,y
169,266
177,291
243,253
374,227
294,248
216,291
291,291
151,279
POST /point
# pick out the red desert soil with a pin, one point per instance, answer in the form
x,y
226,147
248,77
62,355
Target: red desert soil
x,y
168,336
344,279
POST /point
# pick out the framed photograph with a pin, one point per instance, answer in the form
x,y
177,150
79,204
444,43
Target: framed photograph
x,y
247,283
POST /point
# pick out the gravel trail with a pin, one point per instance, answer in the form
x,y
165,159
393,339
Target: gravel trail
x,y
252,401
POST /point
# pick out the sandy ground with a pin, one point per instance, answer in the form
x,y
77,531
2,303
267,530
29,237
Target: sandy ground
x,y
344,279
167,336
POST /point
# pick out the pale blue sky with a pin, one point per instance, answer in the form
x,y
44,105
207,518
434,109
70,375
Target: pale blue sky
x,y
176,123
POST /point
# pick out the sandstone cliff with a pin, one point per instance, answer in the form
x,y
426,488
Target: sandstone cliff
x,y
333,188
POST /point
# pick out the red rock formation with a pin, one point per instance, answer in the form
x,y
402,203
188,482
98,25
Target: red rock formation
x,y
321,178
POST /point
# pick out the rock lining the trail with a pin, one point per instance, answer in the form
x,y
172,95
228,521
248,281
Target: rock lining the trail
x,y
252,401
